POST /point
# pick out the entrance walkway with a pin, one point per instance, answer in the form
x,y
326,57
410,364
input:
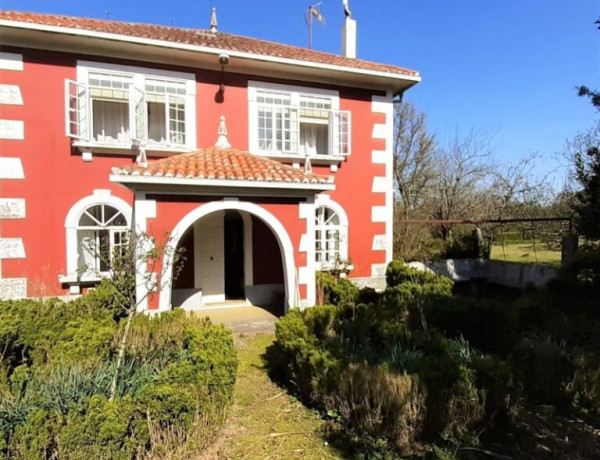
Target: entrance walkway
x,y
245,319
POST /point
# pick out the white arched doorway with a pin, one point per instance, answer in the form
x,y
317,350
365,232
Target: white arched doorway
x,y
281,235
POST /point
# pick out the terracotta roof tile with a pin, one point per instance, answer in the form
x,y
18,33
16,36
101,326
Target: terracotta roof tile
x,y
223,164
201,37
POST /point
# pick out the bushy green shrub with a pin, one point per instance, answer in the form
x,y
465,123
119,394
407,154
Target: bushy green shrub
x,y
36,438
105,429
380,403
178,372
334,290
398,272
40,332
296,358
406,388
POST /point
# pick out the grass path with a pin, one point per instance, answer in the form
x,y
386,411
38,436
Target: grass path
x,y
265,422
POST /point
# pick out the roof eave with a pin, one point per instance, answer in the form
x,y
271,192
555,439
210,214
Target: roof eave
x,y
222,185
89,42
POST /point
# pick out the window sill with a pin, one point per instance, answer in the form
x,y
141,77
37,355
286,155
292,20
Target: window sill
x,y
86,278
129,148
330,266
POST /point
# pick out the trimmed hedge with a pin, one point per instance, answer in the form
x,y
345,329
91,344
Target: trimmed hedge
x,y
179,374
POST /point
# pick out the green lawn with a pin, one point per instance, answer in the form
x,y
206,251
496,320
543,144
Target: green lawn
x,y
526,253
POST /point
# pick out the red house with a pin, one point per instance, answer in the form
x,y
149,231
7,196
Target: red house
x,y
266,162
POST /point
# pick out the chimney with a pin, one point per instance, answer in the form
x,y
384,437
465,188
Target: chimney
x,y
349,38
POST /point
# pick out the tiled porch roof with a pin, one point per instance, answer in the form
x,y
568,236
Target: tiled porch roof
x,y
217,164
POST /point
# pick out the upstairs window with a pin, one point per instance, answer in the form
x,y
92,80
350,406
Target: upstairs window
x,y
109,97
120,106
294,121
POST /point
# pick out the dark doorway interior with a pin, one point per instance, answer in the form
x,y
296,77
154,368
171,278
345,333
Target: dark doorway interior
x,y
234,256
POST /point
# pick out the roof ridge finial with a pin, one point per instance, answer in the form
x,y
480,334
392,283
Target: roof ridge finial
x,y
213,20
222,141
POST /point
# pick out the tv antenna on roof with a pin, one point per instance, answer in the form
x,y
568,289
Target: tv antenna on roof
x,y
314,11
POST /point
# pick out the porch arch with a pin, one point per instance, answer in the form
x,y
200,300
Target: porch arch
x,y
283,239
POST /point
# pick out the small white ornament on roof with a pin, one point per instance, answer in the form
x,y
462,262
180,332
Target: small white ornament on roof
x,y
142,159
222,141
213,20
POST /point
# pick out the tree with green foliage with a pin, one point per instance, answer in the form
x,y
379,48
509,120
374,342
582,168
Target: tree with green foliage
x,y
587,173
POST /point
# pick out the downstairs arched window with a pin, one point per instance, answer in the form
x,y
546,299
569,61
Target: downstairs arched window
x,y
331,235
96,227
101,235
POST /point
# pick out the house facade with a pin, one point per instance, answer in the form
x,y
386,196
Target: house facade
x,y
264,162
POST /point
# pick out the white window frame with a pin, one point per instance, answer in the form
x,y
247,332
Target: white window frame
x,y
137,107
295,93
99,197
324,201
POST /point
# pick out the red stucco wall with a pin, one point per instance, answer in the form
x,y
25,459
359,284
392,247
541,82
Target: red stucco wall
x,y
56,176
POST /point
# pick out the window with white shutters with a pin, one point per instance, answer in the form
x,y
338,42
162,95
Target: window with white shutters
x,y
297,122
120,109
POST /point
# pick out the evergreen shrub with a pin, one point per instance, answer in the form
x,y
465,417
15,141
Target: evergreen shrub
x,y
55,376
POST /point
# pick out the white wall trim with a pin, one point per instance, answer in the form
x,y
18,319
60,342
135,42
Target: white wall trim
x,y
98,196
248,252
11,61
378,270
379,131
306,274
380,185
378,214
385,105
285,243
144,210
12,129
379,243
379,157
12,248
12,208
11,168
13,288
10,95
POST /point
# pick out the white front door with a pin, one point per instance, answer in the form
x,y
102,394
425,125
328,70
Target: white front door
x,y
209,257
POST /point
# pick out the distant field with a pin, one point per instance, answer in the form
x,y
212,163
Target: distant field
x,y
524,252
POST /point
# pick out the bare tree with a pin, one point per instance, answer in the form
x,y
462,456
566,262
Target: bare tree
x,y
142,263
414,176
465,172
414,159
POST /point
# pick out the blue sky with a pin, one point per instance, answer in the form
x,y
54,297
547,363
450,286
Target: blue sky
x,y
507,67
